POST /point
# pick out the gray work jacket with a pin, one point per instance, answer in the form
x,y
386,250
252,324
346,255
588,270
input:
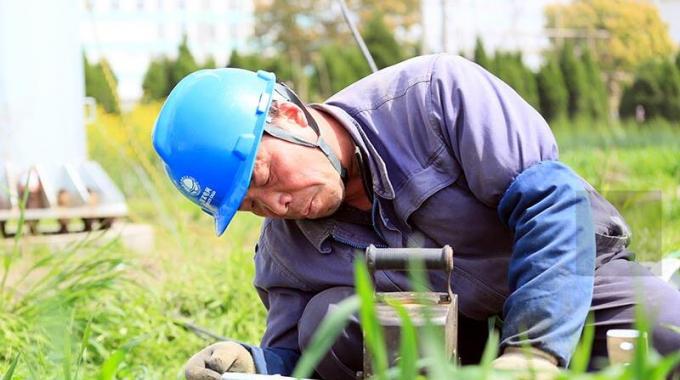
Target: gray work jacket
x,y
443,140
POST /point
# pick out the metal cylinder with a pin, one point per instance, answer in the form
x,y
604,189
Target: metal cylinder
x,y
399,258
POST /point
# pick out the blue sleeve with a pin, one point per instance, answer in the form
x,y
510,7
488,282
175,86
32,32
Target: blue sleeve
x,y
551,270
272,360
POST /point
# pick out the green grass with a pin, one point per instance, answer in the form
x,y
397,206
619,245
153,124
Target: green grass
x,y
637,168
93,311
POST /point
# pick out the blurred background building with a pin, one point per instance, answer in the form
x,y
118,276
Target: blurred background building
x,y
130,33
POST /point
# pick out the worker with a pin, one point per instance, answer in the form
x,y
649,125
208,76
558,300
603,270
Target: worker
x,y
431,151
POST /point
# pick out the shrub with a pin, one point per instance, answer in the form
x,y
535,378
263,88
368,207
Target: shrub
x,y
576,80
656,88
598,104
156,80
480,56
101,83
552,92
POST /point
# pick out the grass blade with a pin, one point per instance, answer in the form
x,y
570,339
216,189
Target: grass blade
x,y
581,358
408,346
665,366
110,366
325,335
373,334
490,352
640,356
66,358
10,371
440,367
83,346
10,256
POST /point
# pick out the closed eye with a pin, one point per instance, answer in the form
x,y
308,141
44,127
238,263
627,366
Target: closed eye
x,y
269,178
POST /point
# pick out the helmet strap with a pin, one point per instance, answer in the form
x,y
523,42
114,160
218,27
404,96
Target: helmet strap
x,y
320,143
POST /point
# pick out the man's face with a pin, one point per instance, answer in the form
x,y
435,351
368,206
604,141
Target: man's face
x,y
292,181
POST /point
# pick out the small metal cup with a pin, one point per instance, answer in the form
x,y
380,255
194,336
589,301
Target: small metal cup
x,y
621,345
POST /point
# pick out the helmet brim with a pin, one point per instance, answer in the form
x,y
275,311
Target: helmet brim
x,y
222,219
225,213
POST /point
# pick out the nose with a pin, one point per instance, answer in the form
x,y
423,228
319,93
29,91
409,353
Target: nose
x,y
275,202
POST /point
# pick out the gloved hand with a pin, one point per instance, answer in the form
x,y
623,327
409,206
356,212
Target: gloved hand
x,y
211,362
530,361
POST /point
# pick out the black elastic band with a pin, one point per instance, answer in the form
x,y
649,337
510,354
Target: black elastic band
x,y
366,177
291,96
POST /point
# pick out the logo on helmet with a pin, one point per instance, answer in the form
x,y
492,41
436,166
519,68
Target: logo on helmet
x,y
190,185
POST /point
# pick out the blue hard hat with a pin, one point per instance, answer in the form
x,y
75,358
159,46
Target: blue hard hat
x,y
207,135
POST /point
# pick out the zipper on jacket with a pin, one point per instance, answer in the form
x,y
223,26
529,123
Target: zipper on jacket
x,y
356,245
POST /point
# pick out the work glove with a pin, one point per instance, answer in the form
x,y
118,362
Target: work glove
x,y
211,362
532,362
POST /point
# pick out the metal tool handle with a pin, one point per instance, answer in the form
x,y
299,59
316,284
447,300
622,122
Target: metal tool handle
x,y
399,258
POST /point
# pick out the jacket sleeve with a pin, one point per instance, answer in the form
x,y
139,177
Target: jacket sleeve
x,y
285,302
279,352
273,360
553,259
508,155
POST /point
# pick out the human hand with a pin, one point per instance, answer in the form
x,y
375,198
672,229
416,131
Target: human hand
x,y
211,362
536,364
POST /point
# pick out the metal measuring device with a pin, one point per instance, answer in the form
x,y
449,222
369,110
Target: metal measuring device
x,y
441,308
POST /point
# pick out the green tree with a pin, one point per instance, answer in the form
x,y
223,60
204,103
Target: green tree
x,y
184,65
156,80
481,58
677,60
656,89
99,87
337,68
636,32
401,15
530,88
510,68
238,61
297,29
253,62
292,29
598,99
576,80
381,42
552,91
505,67
276,64
209,63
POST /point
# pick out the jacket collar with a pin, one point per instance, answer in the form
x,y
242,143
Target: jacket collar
x,y
381,182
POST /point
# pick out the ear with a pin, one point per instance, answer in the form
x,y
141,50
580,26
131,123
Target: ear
x,y
293,113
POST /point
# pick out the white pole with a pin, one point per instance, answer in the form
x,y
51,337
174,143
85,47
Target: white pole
x,y
41,83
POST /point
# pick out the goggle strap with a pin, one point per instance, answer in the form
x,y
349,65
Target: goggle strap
x,y
288,94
